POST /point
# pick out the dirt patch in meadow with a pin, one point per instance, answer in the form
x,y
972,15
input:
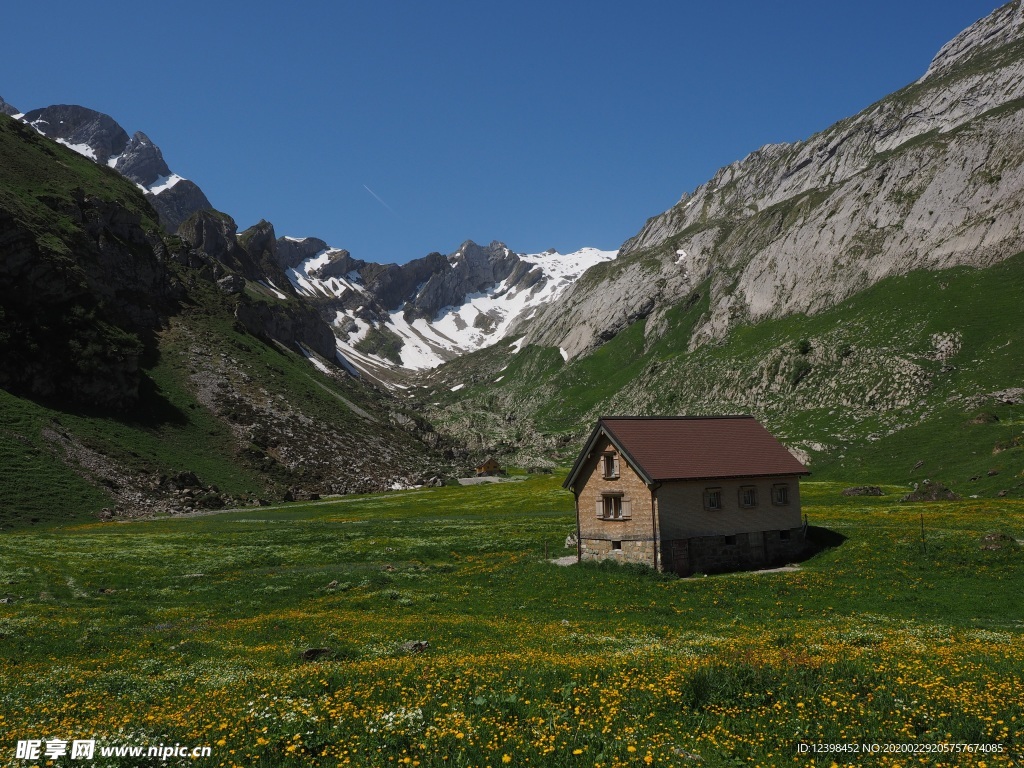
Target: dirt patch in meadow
x,y
567,560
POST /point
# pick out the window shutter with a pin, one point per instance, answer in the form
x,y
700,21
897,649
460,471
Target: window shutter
x,y
627,508
707,499
600,507
615,466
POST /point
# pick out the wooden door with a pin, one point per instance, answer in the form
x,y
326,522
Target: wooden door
x,y
681,557
758,547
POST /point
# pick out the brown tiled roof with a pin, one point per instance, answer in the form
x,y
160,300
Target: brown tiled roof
x,y
690,448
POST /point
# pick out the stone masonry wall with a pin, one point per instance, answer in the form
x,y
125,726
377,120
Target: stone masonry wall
x,y
635,534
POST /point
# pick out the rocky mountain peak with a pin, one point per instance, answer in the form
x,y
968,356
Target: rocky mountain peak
x,y
260,237
393,284
101,138
473,268
176,203
292,251
7,109
80,127
142,161
1003,26
340,264
926,178
210,233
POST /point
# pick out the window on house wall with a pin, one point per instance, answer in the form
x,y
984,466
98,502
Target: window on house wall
x,y
780,494
616,545
748,496
712,498
612,506
730,541
610,466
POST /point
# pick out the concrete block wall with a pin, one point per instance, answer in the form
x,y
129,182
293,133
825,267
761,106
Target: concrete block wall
x,y
713,554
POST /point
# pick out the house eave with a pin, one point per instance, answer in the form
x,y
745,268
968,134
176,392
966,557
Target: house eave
x,y
730,477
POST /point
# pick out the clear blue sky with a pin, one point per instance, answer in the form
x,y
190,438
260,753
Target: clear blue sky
x,y
541,124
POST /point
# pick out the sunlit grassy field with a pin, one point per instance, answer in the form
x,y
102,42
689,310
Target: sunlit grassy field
x,y
192,631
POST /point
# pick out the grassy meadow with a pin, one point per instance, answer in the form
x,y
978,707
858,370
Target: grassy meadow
x,y
192,631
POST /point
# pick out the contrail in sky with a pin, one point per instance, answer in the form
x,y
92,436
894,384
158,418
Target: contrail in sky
x,y
377,198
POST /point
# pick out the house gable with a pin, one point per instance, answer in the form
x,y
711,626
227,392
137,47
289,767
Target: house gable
x,y
488,465
598,434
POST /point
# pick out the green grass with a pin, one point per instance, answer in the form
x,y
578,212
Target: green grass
x,y
35,483
41,176
381,342
190,631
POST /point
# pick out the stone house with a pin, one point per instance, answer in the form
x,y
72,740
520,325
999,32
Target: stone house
x,y
487,467
687,494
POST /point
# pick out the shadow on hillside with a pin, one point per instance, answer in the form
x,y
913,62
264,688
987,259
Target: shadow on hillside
x,y
149,407
818,540
153,408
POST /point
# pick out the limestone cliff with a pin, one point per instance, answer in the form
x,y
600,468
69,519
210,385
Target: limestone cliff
x,y
929,177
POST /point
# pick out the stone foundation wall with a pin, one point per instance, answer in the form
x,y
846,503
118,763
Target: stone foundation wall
x,y
714,554
632,550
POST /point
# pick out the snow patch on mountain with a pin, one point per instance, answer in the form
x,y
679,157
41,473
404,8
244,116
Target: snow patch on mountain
x,y
164,183
482,318
487,316
269,285
307,283
82,149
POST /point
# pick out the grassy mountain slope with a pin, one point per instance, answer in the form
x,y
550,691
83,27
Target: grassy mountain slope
x,y
38,173
857,291
896,384
248,419
127,380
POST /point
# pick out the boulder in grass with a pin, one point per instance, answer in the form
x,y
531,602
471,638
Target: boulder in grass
x,y
863,490
930,491
995,541
315,654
